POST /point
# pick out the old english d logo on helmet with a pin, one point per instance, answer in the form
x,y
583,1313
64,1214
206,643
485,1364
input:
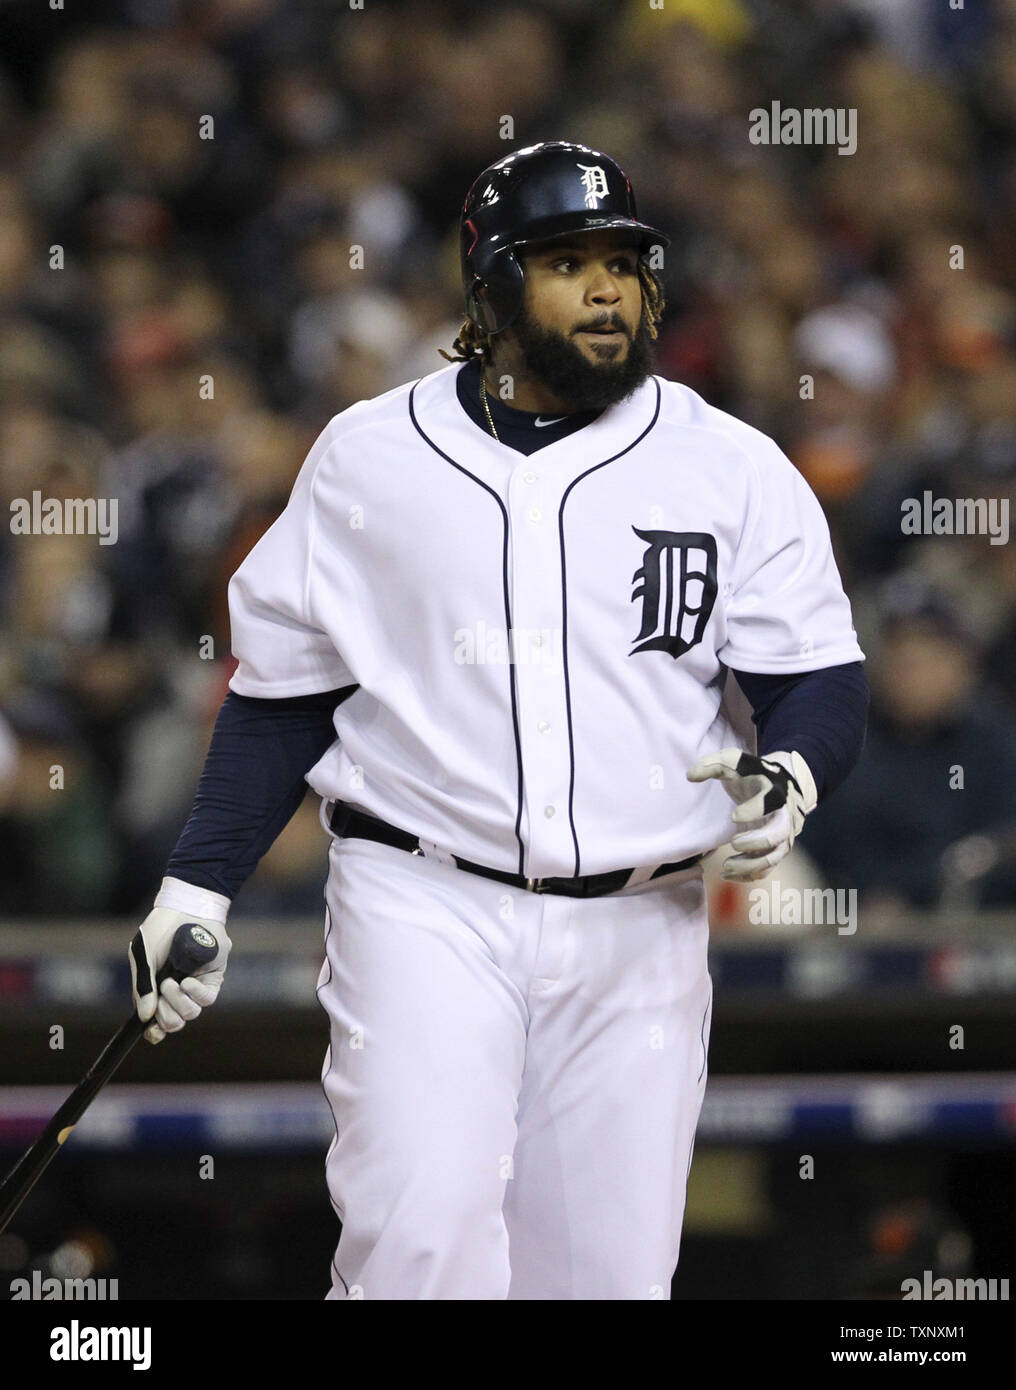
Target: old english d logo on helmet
x,y
537,194
594,181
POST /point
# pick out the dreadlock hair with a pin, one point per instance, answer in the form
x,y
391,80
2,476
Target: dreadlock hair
x,y
475,342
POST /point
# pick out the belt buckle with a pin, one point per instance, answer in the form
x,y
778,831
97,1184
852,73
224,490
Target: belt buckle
x,y
535,885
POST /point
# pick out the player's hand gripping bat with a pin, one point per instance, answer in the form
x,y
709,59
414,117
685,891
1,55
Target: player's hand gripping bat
x,y
193,946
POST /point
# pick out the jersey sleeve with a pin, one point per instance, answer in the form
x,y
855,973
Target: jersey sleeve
x,y
787,610
280,650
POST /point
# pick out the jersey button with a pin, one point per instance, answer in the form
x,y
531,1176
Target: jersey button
x,y
543,727
529,477
548,811
535,514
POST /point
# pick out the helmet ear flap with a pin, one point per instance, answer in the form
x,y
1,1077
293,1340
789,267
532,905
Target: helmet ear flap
x,y
493,302
479,308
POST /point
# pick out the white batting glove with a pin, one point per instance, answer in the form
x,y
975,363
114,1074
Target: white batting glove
x,y
176,1002
773,795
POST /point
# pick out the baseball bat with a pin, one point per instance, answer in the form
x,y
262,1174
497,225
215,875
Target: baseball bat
x,y
192,947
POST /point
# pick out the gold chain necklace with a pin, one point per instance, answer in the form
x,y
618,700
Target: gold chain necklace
x,y
486,407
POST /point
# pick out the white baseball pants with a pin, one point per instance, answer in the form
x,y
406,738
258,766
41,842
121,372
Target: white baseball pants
x,y
515,1080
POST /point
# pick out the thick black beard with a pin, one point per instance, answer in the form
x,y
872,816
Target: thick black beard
x,y
557,362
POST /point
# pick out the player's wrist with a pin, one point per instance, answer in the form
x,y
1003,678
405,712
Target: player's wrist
x,y
180,896
801,772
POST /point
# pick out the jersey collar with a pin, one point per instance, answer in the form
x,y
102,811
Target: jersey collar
x,y
439,419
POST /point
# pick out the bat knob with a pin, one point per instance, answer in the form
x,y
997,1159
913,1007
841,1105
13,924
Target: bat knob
x,y
193,946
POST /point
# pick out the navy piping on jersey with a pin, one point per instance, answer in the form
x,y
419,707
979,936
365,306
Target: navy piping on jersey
x,y
702,1032
507,613
564,623
324,1089
564,612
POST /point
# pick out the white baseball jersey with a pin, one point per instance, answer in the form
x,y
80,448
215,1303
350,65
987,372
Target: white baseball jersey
x,y
541,643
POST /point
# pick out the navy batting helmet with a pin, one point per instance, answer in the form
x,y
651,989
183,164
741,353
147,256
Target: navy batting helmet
x,y
537,195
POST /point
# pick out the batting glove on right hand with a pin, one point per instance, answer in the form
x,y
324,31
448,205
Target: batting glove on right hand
x,y
177,1002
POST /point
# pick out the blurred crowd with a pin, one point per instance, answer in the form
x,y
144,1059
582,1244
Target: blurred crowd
x,y
180,315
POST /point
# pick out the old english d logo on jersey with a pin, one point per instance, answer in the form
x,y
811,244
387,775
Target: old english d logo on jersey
x,y
594,181
678,589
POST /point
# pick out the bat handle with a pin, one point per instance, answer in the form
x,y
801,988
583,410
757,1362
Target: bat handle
x,y
193,946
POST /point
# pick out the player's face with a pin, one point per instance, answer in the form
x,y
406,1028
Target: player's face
x,y
582,332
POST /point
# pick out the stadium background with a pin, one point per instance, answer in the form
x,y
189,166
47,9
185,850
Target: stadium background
x,y
230,256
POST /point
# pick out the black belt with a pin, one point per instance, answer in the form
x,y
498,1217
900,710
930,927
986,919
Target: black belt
x,y
348,823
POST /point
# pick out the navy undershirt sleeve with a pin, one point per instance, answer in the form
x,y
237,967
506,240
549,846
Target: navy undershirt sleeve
x,y
821,714
251,785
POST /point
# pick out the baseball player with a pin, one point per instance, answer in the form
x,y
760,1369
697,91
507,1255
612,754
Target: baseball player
x,y
505,628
